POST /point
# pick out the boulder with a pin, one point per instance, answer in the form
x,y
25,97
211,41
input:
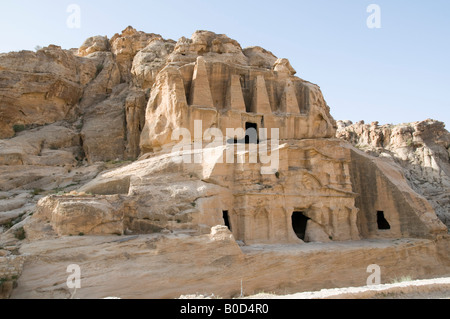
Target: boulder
x,y
81,216
94,44
126,45
315,233
212,46
259,57
284,66
149,61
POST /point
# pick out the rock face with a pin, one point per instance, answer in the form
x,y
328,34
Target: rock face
x,y
40,88
228,96
126,45
421,150
316,187
198,142
91,91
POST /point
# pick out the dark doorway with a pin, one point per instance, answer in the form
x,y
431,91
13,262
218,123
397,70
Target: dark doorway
x,y
226,219
383,224
251,133
299,223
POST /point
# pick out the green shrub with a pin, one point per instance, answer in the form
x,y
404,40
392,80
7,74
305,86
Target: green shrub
x,y
8,225
37,191
19,128
410,142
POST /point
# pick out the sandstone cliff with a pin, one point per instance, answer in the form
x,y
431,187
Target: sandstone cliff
x,y
420,149
87,153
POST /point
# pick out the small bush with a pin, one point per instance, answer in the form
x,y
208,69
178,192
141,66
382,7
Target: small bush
x,y
409,142
20,233
19,128
58,191
277,175
81,234
402,279
8,225
37,191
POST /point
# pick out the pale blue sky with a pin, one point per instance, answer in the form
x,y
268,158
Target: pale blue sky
x,y
399,73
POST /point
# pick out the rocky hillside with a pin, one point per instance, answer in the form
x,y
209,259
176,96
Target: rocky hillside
x,y
421,149
88,176
67,115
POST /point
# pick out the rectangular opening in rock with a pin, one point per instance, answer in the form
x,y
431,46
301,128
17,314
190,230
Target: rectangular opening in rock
x,y
226,219
251,133
299,223
383,224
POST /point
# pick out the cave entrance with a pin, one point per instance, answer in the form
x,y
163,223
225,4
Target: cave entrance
x,y
299,223
251,133
383,224
226,219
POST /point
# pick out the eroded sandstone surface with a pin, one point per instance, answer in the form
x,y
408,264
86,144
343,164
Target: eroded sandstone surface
x,y
420,149
95,172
